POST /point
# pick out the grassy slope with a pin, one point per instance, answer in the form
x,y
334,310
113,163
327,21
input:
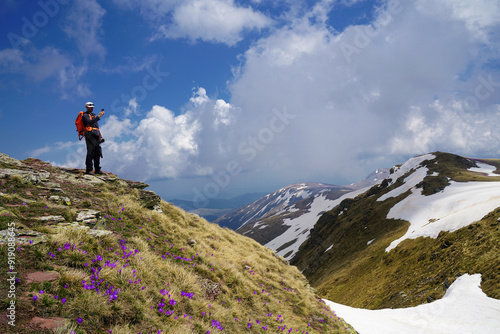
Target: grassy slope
x,y
224,280
361,275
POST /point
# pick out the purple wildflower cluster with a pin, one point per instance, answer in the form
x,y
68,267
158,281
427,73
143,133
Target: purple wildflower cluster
x,y
95,282
218,325
163,303
188,295
68,246
171,302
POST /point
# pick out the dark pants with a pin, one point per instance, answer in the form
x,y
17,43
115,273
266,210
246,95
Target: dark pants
x,y
93,151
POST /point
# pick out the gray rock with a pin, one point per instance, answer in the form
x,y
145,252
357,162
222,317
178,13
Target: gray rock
x,y
32,177
149,199
89,217
157,208
22,237
99,233
8,160
56,219
60,200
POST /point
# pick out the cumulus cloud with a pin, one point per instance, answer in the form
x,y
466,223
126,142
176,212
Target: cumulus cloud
x,y
163,145
448,124
366,95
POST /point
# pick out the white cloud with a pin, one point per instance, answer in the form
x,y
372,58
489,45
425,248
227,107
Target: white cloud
x,y
354,110
222,112
114,128
216,21
132,108
84,25
199,97
159,146
478,16
447,123
219,21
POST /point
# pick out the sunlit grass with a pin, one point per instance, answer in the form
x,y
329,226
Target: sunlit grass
x,y
164,281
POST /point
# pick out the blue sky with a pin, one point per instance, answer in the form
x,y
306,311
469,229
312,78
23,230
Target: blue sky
x,y
214,98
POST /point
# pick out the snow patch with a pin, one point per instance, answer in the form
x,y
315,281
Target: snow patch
x,y
304,223
484,169
465,308
411,181
458,205
413,163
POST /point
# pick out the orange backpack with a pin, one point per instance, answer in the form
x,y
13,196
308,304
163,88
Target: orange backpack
x,y
80,128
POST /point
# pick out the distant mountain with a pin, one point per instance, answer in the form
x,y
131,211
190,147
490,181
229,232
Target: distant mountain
x,y
282,220
215,208
403,241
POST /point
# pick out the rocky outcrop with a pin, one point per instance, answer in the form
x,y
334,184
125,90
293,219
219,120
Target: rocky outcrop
x,y
59,189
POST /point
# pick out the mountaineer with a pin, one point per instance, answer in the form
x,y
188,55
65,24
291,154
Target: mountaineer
x,y
93,139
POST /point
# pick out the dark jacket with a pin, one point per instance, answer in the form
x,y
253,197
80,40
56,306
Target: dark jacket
x,y
90,119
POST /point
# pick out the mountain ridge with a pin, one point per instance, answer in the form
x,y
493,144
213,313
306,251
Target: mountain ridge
x,y
282,219
288,196
348,249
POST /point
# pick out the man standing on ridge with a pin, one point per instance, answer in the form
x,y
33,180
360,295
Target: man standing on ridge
x,y
93,138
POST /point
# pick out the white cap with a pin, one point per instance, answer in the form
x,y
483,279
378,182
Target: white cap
x,y
89,104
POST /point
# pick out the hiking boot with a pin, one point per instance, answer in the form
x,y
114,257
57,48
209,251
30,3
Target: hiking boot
x,y
90,172
99,172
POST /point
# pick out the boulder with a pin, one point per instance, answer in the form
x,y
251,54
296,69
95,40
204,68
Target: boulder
x,y
149,199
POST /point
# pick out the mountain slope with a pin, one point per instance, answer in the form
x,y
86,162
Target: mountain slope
x,y
274,202
404,241
98,254
286,223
